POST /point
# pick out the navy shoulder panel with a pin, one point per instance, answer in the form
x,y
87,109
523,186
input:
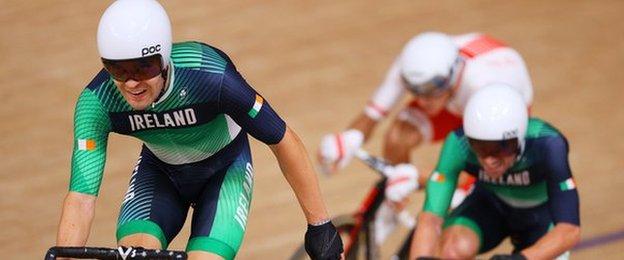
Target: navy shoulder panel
x,y
100,79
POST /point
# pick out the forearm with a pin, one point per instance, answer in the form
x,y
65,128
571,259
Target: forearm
x,y
298,171
364,124
76,218
426,235
560,239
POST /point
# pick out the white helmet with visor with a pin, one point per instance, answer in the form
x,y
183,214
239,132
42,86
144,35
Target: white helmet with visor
x,y
429,63
495,120
134,39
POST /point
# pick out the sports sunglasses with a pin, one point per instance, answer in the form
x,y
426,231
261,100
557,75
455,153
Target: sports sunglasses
x,y
497,148
137,69
434,87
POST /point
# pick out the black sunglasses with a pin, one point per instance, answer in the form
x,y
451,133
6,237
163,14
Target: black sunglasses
x,y
137,69
497,148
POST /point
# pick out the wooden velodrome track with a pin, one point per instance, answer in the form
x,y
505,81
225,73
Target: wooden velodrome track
x,y
317,62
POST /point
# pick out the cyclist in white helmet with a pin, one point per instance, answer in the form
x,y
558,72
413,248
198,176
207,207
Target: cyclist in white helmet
x,y
524,189
193,111
440,72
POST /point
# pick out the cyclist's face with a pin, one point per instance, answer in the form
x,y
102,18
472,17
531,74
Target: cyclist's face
x,y
141,94
495,156
496,165
434,103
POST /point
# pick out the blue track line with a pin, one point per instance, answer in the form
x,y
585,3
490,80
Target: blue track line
x,y
599,240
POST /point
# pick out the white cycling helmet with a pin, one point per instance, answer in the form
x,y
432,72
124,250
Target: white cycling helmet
x,y
496,112
131,29
429,62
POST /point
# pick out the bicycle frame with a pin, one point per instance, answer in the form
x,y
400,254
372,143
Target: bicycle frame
x,y
366,214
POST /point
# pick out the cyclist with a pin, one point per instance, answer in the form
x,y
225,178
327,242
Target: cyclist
x,y
193,110
524,190
441,72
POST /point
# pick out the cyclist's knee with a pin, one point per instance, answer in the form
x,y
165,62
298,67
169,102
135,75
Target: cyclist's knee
x,y
459,243
399,140
141,240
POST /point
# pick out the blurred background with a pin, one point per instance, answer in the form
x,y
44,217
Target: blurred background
x,y
317,62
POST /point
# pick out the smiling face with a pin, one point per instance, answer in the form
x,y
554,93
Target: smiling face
x,y
496,157
496,166
141,94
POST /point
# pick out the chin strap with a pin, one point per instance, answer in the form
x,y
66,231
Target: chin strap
x,y
165,75
522,144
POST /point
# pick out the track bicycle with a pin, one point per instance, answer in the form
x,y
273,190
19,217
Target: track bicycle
x,y
357,230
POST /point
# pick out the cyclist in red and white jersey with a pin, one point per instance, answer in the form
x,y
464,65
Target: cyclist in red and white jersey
x,y
441,72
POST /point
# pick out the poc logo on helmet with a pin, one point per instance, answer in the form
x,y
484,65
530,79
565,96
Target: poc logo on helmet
x,y
510,134
150,50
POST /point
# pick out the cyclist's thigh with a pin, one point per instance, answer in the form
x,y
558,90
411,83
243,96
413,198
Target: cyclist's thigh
x,y
529,225
220,214
152,205
481,213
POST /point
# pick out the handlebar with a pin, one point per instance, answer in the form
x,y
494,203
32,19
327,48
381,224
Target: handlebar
x,y
111,253
378,164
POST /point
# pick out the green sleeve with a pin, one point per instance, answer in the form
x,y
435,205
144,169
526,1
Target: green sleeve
x,y
442,182
91,128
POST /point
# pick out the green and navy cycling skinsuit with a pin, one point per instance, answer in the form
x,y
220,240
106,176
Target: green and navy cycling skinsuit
x,y
537,192
195,153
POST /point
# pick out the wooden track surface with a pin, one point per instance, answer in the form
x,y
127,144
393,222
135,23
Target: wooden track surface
x,y
317,62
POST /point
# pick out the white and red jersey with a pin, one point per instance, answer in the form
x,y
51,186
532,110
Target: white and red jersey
x,y
487,61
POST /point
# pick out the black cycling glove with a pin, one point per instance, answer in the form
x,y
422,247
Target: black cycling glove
x,y
323,242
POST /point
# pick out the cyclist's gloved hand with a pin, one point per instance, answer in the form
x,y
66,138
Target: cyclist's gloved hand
x,y
402,180
337,150
508,257
323,242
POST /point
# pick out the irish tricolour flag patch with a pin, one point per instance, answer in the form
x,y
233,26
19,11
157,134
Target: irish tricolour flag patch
x,y
86,144
438,177
568,184
253,112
